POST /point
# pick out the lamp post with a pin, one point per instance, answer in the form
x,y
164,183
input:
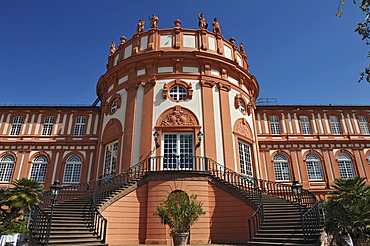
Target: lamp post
x,y
200,138
297,192
55,190
156,136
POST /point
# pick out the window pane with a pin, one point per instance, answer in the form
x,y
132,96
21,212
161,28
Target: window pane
x,y
335,126
72,171
345,166
245,159
305,124
80,126
6,168
281,168
313,166
274,124
364,125
178,151
16,126
38,170
48,125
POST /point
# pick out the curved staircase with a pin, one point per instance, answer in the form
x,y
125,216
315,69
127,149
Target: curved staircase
x,y
279,219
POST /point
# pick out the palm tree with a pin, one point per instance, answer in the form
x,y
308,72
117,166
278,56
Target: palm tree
x,y
348,210
18,201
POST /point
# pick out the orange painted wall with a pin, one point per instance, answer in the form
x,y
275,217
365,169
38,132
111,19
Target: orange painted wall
x,y
131,219
229,217
127,218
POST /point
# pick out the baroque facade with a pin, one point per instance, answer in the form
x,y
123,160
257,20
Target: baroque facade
x,y
173,94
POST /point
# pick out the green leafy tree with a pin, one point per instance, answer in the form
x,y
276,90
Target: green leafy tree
x,y
347,212
179,211
363,29
16,202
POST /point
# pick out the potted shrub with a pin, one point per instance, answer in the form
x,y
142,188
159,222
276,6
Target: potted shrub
x,y
347,212
179,212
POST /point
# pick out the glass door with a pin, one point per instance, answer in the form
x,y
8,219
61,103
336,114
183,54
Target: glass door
x,y
178,151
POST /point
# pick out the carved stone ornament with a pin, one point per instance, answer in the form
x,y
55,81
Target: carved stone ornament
x,y
242,128
178,117
112,130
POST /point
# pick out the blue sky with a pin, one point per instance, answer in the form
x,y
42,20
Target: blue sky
x,y
53,52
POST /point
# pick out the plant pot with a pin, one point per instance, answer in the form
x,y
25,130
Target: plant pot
x,y
180,239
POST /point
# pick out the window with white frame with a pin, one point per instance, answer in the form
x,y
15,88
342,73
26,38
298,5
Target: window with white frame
x,y
178,151
274,124
48,125
364,125
313,165
72,170
281,168
16,126
178,93
305,124
335,126
6,168
345,166
110,158
245,159
80,126
38,169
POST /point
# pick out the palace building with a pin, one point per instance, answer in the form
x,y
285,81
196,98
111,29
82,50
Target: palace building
x,y
179,101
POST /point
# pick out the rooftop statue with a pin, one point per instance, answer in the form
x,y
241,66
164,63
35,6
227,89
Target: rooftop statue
x,y
153,21
216,26
202,21
140,26
241,47
112,48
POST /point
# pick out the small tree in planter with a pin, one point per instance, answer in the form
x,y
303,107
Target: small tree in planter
x,y
179,212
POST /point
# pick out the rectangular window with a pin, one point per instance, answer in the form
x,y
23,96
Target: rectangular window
x,y
144,43
178,151
48,126
227,52
274,124
335,126
128,51
211,43
110,158
16,126
80,126
364,125
166,41
305,124
189,41
245,159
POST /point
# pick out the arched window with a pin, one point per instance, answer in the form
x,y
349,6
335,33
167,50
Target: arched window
x,y
281,168
72,169
313,166
345,166
38,170
6,168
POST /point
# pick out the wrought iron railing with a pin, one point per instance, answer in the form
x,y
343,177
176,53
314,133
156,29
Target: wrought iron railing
x,y
100,190
306,201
